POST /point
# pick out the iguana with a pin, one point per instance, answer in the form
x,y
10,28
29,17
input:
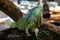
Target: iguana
x,y
32,20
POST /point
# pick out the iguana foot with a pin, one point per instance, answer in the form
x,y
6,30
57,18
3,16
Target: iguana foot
x,y
28,34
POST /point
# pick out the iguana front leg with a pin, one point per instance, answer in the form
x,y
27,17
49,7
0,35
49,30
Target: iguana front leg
x,y
40,18
29,26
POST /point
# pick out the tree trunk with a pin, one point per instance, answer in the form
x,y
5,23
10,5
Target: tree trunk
x,y
58,2
11,10
51,27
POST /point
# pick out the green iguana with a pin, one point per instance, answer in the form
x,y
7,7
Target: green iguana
x,y
32,20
